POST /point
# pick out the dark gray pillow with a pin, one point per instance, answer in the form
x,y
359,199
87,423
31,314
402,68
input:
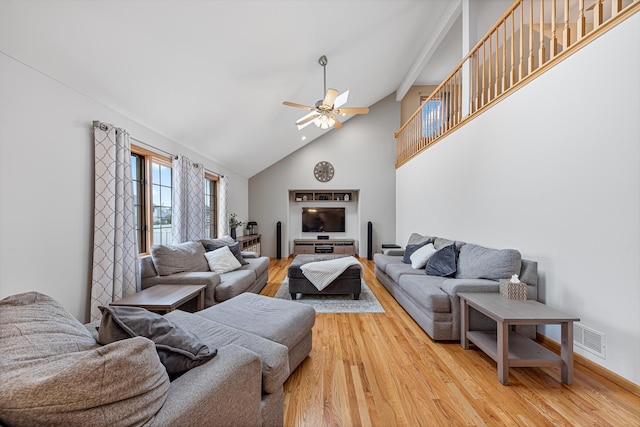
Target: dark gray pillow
x,y
410,249
443,263
235,250
179,350
478,262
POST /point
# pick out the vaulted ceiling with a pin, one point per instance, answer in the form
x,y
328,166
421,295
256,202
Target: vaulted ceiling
x,y
212,75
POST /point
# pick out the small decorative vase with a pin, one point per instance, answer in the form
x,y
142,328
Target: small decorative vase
x,y
233,233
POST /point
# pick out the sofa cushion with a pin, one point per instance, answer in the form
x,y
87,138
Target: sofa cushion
x,y
188,256
179,349
396,270
52,369
478,262
443,263
420,257
234,283
234,248
259,265
274,356
425,292
382,260
440,243
410,249
222,260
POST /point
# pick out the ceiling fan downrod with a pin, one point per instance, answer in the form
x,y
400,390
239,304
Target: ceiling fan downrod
x,y
323,61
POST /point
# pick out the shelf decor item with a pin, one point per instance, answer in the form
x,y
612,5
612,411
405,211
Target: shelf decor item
x,y
234,222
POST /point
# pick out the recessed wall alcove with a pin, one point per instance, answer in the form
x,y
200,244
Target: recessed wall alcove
x,y
322,198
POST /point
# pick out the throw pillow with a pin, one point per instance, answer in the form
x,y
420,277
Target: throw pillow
x,y
443,263
222,260
478,262
188,256
179,350
235,250
419,258
410,249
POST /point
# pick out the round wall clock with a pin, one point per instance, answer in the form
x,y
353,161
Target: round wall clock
x,y
323,171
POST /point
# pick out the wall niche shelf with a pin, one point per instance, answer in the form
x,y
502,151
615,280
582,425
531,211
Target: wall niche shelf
x,y
323,196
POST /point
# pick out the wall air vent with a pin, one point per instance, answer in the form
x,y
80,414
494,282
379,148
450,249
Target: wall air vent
x,y
590,340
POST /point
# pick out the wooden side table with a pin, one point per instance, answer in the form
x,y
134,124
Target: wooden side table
x,y
509,348
165,298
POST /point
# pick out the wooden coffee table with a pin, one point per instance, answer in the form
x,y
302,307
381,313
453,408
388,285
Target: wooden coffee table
x,y
509,348
165,298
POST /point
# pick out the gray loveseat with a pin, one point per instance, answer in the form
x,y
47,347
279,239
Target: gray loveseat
x,y
432,300
54,372
185,264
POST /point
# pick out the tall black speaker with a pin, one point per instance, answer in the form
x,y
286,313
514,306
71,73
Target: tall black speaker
x,y
369,241
278,240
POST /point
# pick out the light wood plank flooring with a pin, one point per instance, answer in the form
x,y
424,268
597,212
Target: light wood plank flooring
x,y
381,369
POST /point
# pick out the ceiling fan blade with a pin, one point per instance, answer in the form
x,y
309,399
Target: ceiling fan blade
x,y
293,104
352,110
341,99
330,98
306,119
337,124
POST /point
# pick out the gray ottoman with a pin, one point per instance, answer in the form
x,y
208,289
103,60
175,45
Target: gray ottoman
x,y
284,322
349,282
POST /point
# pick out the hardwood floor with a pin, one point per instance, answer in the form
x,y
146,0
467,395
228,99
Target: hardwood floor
x,y
381,369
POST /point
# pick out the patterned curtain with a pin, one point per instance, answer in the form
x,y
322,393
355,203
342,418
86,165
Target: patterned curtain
x,y
188,200
114,273
223,205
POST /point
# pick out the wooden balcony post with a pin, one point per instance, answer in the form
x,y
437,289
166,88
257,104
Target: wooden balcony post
x,y
566,34
522,40
532,57
597,14
581,20
541,51
504,56
513,50
553,44
616,6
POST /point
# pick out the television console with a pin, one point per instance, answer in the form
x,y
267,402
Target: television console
x,y
324,246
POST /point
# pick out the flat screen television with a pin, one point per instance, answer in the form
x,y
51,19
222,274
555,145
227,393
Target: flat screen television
x,y
323,220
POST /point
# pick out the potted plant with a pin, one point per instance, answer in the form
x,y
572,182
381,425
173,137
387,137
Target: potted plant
x,y
233,223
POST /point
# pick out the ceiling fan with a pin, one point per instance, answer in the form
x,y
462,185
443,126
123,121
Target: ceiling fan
x,y
324,113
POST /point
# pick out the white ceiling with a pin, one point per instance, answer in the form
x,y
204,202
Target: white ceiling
x,y
212,75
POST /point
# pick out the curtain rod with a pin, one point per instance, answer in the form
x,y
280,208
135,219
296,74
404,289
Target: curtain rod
x,y
98,123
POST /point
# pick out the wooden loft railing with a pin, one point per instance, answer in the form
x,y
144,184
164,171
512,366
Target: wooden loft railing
x,y
530,37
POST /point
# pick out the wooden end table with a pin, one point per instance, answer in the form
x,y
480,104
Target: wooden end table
x,y
509,348
165,298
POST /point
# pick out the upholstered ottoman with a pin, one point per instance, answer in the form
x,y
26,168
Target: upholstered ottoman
x,y
349,282
285,322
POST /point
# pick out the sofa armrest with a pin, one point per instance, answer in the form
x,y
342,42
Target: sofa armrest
x,y
250,254
453,286
393,251
224,391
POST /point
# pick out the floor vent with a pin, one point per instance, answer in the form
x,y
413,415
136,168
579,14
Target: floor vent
x,y
590,340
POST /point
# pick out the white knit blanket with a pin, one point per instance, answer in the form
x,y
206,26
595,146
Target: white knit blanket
x,y
322,273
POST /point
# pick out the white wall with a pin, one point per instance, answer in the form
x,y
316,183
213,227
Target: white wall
x,y
363,155
46,184
553,170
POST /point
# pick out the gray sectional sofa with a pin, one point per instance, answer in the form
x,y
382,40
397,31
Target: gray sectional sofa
x,y
432,301
55,371
185,264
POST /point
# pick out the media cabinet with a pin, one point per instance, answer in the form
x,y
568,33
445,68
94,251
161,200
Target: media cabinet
x,y
324,246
